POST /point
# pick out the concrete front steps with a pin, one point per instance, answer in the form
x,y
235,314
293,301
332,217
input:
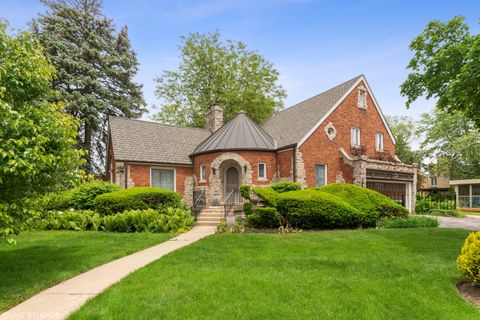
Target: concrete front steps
x,y
210,216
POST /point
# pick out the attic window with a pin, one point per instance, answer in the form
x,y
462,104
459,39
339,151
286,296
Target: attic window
x,y
362,98
331,131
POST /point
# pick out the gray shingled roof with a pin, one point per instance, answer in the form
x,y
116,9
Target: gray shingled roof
x,y
144,141
289,126
240,133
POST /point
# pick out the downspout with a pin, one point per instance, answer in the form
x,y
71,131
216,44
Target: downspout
x,y
126,174
294,163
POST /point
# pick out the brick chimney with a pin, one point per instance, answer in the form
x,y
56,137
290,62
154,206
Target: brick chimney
x,y
214,119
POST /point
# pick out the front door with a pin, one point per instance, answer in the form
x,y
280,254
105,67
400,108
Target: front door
x,y
232,180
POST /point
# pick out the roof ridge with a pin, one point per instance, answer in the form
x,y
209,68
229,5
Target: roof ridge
x,y
157,123
319,94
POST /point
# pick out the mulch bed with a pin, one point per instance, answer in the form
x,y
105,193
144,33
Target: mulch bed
x,y
470,292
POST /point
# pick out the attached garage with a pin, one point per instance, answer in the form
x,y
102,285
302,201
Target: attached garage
x,y
395,185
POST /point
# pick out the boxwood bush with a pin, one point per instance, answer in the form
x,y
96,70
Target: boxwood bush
x,y
285,186
264,217
468,262
365,200
311,208
138,198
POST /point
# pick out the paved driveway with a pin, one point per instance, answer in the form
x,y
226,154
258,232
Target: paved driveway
x,y
468,223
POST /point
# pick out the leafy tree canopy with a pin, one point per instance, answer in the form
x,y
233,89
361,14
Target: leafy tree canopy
x,y
453,142
37,139
446,66
95,66
215,72
404,131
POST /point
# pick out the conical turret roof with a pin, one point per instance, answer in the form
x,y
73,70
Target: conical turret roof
x,y
240,133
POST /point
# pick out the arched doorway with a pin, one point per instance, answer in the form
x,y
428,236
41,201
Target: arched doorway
x,y
232,180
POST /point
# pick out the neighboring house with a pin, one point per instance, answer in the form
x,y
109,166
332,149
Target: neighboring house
x,y
339,135
435,184
467,193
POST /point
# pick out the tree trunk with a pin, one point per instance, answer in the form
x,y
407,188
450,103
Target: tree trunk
x,y
87,145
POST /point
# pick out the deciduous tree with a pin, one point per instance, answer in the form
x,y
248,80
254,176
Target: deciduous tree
x,y
215,72
446,66
37,139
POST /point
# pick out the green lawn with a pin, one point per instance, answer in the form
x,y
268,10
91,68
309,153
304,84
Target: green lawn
x,y
43,258
375,274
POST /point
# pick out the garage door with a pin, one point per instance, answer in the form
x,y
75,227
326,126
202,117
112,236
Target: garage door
x,y
395,191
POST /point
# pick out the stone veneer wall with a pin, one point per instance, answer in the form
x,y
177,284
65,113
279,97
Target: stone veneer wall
x,y
300,173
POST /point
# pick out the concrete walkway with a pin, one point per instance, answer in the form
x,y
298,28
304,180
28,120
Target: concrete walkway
x,y
61,300
467,223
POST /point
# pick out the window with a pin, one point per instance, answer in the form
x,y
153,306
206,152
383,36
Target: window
x,y
362,99
163,178
262,170
379,141
203,173
433,181
320,174
355,137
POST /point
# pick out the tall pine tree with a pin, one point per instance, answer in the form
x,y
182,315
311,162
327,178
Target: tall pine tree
x,y
95,66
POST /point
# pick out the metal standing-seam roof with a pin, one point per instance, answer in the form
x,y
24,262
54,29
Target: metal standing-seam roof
x,y
145,141
290,125
240,133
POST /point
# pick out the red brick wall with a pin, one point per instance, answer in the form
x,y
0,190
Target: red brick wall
x,y
319,149
284,164
253,157
140,175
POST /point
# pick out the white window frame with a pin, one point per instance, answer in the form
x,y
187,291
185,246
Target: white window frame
x,y
357,137
379,141
264,171
165,168
362,99
436,181
326,173
203,169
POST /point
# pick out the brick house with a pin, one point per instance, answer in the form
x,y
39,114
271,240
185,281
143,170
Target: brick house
x,y
339,135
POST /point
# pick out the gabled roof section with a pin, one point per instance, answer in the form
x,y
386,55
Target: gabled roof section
x,y
240,133
295,124
291,125
145,141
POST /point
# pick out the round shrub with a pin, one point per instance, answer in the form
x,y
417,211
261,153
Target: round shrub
x,y
248,208
366,200
311,208
468,262
285,186
264,217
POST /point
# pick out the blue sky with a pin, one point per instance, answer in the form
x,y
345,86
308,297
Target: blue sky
x,y
314,44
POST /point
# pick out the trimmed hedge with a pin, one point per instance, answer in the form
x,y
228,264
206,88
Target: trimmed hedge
x,y
468,262
365,200
264,217
310,208
286,186
81,197
267,195
138,198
